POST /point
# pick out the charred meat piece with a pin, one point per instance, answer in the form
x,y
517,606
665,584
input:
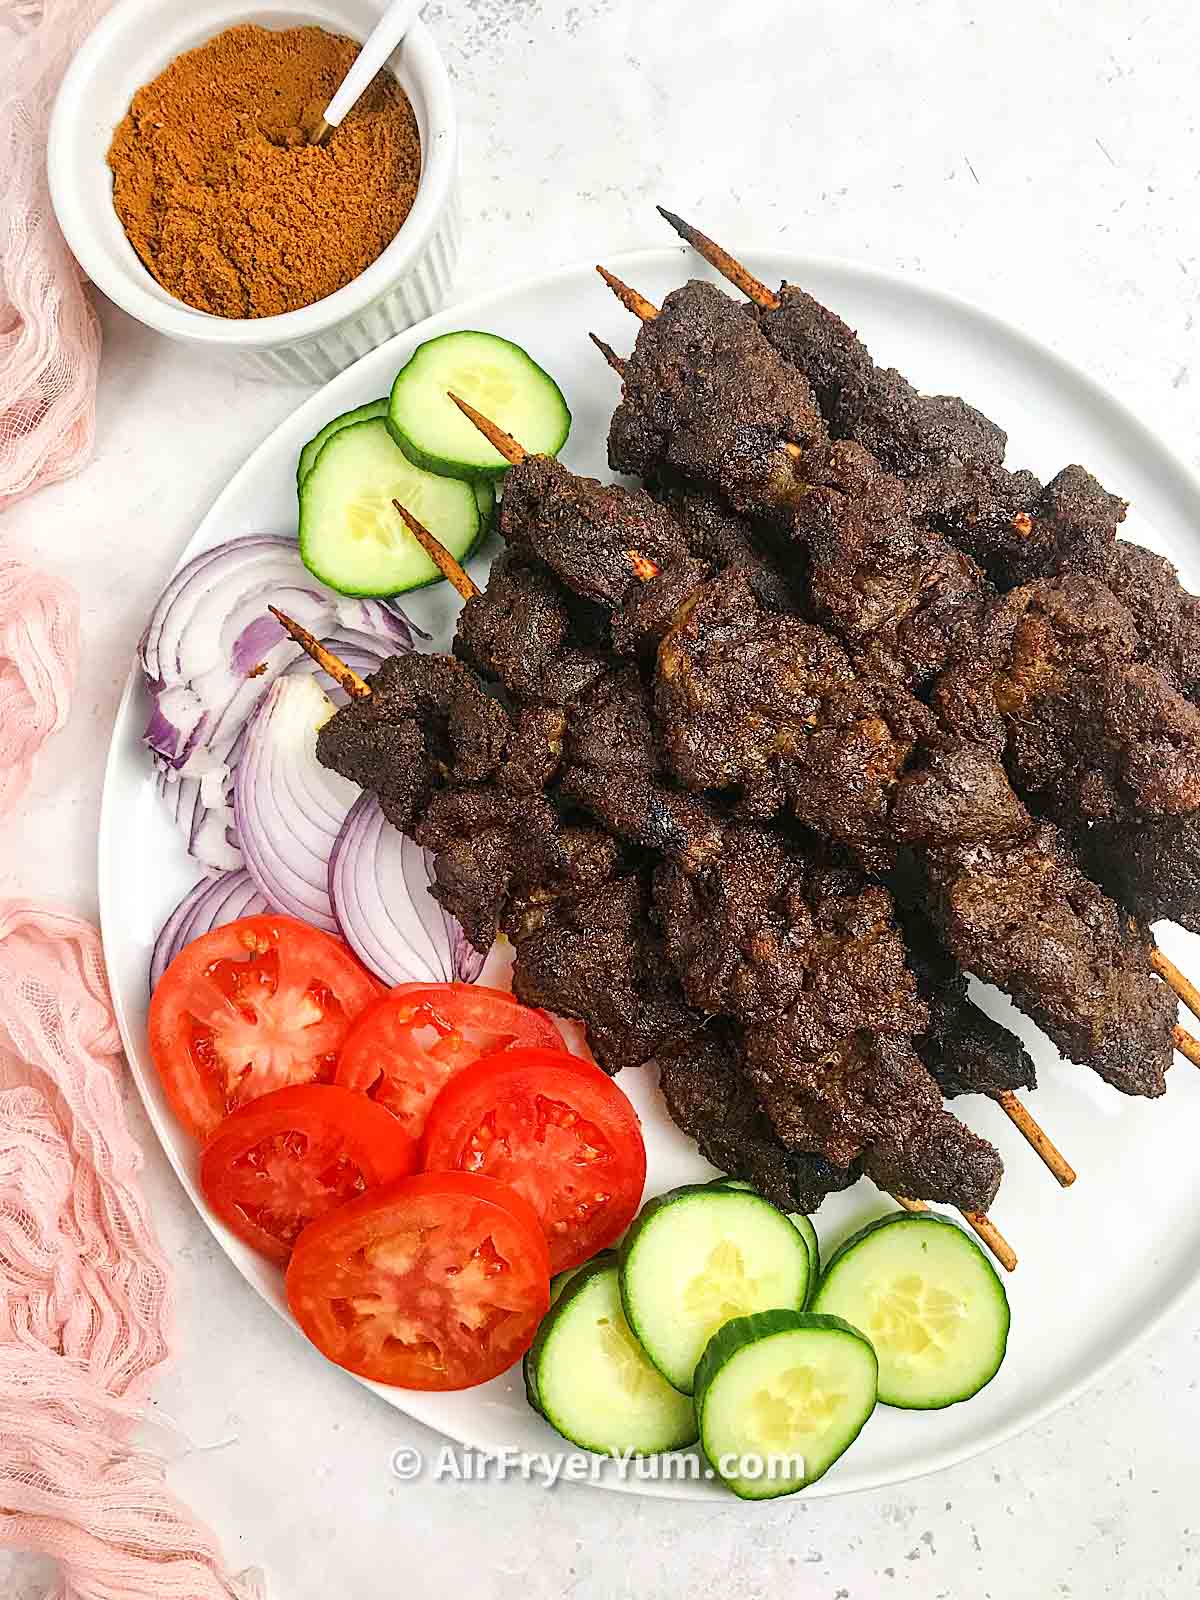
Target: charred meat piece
x,y
769,930
893,591
427,723
597,956
777,568
967,1051
706,397
612,771
1089,731
641,621
1020,914
523,633
497,854
871,1098
710,1099
586,532
1167,616
1152,870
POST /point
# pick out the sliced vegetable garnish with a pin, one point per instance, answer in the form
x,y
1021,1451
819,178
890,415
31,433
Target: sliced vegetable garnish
x,y
289,808
930,1302
308,456
780,1396
351,535
212,650
435,1282
379,885
294,1155
698,1256
593,1382
410,1044
257,1005
555,1128
492,374
209,904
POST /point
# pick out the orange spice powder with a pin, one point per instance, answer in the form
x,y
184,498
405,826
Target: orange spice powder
x,y
223,198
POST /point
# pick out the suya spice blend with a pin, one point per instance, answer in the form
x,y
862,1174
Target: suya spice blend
x,y
223,198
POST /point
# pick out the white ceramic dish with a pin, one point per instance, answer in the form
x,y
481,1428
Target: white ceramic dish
x,y
1101,1264
408,281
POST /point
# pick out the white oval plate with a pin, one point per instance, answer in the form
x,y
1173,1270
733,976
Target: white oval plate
x,y
1100,1264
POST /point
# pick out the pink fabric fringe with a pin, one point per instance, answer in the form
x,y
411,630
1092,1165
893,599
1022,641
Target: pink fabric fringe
x,y
49,336
39,657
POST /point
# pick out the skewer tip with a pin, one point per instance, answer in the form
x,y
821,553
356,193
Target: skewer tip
x,y
616,362
447,565
730,268
503,442
645,310
344,676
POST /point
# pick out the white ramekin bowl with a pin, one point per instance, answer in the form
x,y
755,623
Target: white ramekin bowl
x,y
410,280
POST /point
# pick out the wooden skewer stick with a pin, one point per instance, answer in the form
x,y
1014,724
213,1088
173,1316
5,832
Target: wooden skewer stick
x,y
1182,985
646,311
337,670
1187,1046
616,362
508,447
1036,1137
909,1205
728,266
449,568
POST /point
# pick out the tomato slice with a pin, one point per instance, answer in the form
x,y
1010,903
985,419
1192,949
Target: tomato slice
x,y
291,1156
409,1045
435,1282
558,1131
256,1005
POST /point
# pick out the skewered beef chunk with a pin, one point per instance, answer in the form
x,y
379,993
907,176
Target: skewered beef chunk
x,y
428,722
1074,529
1152,870
707,397
1020,914
652,609
777,568
871,1097
967,1051
891,590
520,631
497,853
1167,616
598,957
710,1099
612,771
769,931
586,532
983,510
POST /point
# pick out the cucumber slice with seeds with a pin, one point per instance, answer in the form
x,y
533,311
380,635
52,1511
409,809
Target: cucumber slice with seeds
x,y
499,379
592,1381
697,1257
352,537
929,1300
308,456
798,1220
779,1397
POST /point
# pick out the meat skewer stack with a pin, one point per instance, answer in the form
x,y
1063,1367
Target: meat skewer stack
x,y
950,458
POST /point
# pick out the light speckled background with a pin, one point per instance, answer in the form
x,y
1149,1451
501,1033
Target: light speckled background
x,y
1039,157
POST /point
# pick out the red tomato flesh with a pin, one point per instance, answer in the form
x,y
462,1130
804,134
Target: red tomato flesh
x,y
407,1047
435,1282
257,1005
555,1129
292,1156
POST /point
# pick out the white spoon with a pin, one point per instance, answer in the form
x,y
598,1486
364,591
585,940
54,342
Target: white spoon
x,y
384,37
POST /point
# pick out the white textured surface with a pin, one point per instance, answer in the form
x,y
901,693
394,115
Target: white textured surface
x,y
1039,158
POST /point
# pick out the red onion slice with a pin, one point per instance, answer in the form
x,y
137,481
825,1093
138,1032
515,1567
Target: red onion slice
x,y
288,808
379,886
209,904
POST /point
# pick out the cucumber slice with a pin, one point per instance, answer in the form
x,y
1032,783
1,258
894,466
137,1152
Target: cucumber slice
x,y
930,1302
499,379
798,1220
557,1285
485,499
351,536
590,1379
698,1256
779,1397
308,456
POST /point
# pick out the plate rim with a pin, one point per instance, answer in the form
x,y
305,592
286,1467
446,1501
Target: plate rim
x,y
409,1403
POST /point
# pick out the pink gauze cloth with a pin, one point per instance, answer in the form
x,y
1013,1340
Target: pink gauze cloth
x,y
84,1287
49,336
